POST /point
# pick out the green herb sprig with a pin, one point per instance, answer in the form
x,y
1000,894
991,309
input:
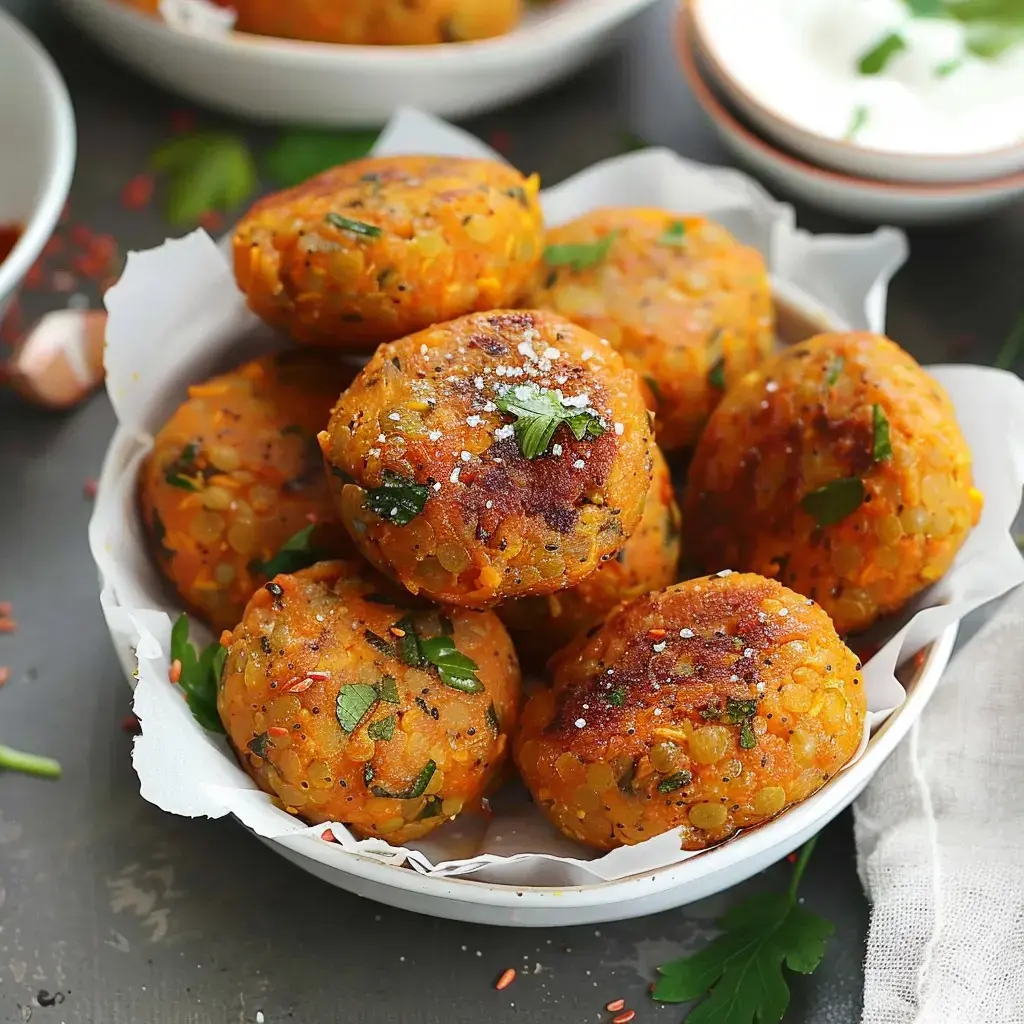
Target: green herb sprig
x,y
297,552
354,227
581,255
200,675
12,760
399,499
300,153
833,502
539,412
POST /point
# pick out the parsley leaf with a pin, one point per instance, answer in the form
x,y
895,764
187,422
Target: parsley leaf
x,y
881,447
743,967
539,412
296,553
399,499
353,703
674,236
200,675
355,227
182,472
833,502
205,171
454,668
301,153
874,61
581,255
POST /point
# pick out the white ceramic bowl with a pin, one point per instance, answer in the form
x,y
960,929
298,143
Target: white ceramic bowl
x,y
848,196
37,152
850,157
270,79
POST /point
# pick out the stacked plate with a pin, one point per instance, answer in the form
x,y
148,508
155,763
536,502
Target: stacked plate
x,y
779,112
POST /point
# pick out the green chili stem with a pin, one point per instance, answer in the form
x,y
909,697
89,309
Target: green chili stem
x,y
801,863
29,764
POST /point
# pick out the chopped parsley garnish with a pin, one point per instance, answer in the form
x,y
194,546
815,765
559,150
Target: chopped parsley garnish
x,y
354,701
399,499
739,976
580,256
616,696
417,788
835,368
716,375
200,675
382,729
833,502
183,470
874,61
858,122
539,412
742,712
296,553
675,781
355,227
674,236
454,668
881,447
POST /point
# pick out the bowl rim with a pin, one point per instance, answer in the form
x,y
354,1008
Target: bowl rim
x,y
772,112
41,222
552,34
717,111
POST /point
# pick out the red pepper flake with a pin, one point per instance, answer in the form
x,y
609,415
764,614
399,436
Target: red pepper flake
x,y
90,487
624,1018
615,1005
318,677
138,192
791,858
327,835
501,141
174,672
277,730
657,634
212,220
297,685
35,276
80,235
183,121
131,724
506,979
5,674
395,631
8,625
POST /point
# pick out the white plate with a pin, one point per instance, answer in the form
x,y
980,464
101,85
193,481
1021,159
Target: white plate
x,y
272,79
37,156
865,199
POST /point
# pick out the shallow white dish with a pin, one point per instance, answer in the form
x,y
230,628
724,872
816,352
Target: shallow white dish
x,y
851,157
37,157
842,194
270,79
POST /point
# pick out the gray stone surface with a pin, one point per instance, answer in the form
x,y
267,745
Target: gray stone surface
x,y
135,917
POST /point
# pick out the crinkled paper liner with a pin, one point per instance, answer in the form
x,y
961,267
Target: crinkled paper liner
x,y
176,316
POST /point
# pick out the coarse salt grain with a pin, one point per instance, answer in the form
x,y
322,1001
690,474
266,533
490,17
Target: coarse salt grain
x,y
437,485
507,430
488,503
434,435
578,464
478,383
734,679
455,475
748,652
490,407
772,385
394,416
465,456
783,612
551,353
724,573
658,648
580,723
381,438
474,421
619,428
259,1017
577,401
686,634
657,711
556,449
587,353
423,350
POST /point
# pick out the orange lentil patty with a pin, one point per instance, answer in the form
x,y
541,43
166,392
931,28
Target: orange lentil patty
x,y
648,561
379,22
236,472
349,702
378,248
838,468
689,308
708,707
499,455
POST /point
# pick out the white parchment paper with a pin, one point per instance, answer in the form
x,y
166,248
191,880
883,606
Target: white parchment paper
x,y
176,316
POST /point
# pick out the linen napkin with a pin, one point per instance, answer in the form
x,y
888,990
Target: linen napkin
x,y
940,846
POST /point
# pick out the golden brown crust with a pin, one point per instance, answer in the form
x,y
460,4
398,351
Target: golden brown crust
x,y
236,472
709,706
491,523
379,248
805,421
689,308
419,753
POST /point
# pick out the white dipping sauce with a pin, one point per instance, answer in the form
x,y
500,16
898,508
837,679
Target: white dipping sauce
x,y
800,58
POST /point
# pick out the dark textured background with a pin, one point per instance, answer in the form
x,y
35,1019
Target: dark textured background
x,y
135,917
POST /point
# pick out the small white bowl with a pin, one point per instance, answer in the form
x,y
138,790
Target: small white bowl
x,y
850,157
37,155
852,197
270,79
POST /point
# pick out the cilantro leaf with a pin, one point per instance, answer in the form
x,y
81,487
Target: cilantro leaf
x,y
677,780
416,789
539,412
739,976
355,227
353,703
874,61
296,553
205,171
399,499
454,668
408,645
742,712
301,153
881,447
382,729
581,255
387,690
674,236
200,675
182,472
858,121
833,502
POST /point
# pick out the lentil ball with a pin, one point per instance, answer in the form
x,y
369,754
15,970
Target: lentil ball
x,y
236,472
378,248
689,308
347,704
648,561
839,469
708,707
500,455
